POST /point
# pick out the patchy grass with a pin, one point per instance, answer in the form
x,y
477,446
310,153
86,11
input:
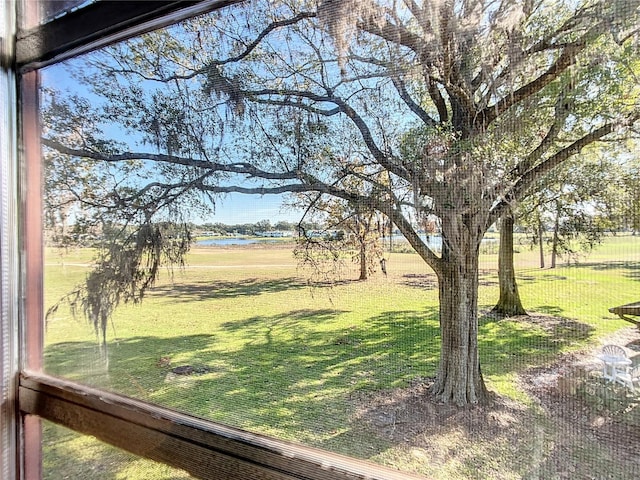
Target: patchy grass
x,y
273,355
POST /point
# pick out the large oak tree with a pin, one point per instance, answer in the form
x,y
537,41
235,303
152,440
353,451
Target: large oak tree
x,y
458,105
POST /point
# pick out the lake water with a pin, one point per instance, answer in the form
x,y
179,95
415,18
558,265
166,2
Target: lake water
x,y
434,241
221,242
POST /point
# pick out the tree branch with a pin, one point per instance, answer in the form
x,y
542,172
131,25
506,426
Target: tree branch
x,y
270,28
551,42
438,99
564,61
240,168
561,114
301,106
413,106
412,236
527,179
392,33
553,161
216,63
381,157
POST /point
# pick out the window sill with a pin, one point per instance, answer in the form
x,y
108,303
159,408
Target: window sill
x,y
204,449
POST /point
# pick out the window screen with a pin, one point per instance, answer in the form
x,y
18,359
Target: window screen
x,y
392,231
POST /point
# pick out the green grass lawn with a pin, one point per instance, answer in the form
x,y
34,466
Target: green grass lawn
x,y
279,357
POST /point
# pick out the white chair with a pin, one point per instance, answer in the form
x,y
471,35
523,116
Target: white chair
x,y
615,362
627,378
614,351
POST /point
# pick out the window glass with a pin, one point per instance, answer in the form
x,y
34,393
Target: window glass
x,y
300,220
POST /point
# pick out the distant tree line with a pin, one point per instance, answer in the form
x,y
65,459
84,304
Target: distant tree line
x,y
252,228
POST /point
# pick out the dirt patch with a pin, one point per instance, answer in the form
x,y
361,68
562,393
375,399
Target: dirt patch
x,y
407,414
576,425
422,281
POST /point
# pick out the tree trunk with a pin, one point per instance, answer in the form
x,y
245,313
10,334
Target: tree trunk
x,y
459,379
509,303
554,244
363,260
541,242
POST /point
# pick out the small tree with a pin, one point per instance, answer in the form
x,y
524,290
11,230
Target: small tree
x,y
262,226
361,231
627,209
575,204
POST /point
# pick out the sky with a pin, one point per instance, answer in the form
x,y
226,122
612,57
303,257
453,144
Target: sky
x,y
231,209
238,209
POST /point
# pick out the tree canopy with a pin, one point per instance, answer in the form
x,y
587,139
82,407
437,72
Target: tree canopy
x,y
443,109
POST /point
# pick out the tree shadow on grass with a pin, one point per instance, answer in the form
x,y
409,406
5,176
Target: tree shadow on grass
x,y
129,366
290,317
487,278
545,277
629,269
197,291
433,434
297,375
294,375
512,344
548,309
291,377
429,281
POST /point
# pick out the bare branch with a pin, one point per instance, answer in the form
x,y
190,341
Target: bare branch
x,y
413,106
216,63
308,108
240,168
381,157
270,28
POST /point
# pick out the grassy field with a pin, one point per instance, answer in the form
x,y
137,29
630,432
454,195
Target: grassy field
x,y
276,356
